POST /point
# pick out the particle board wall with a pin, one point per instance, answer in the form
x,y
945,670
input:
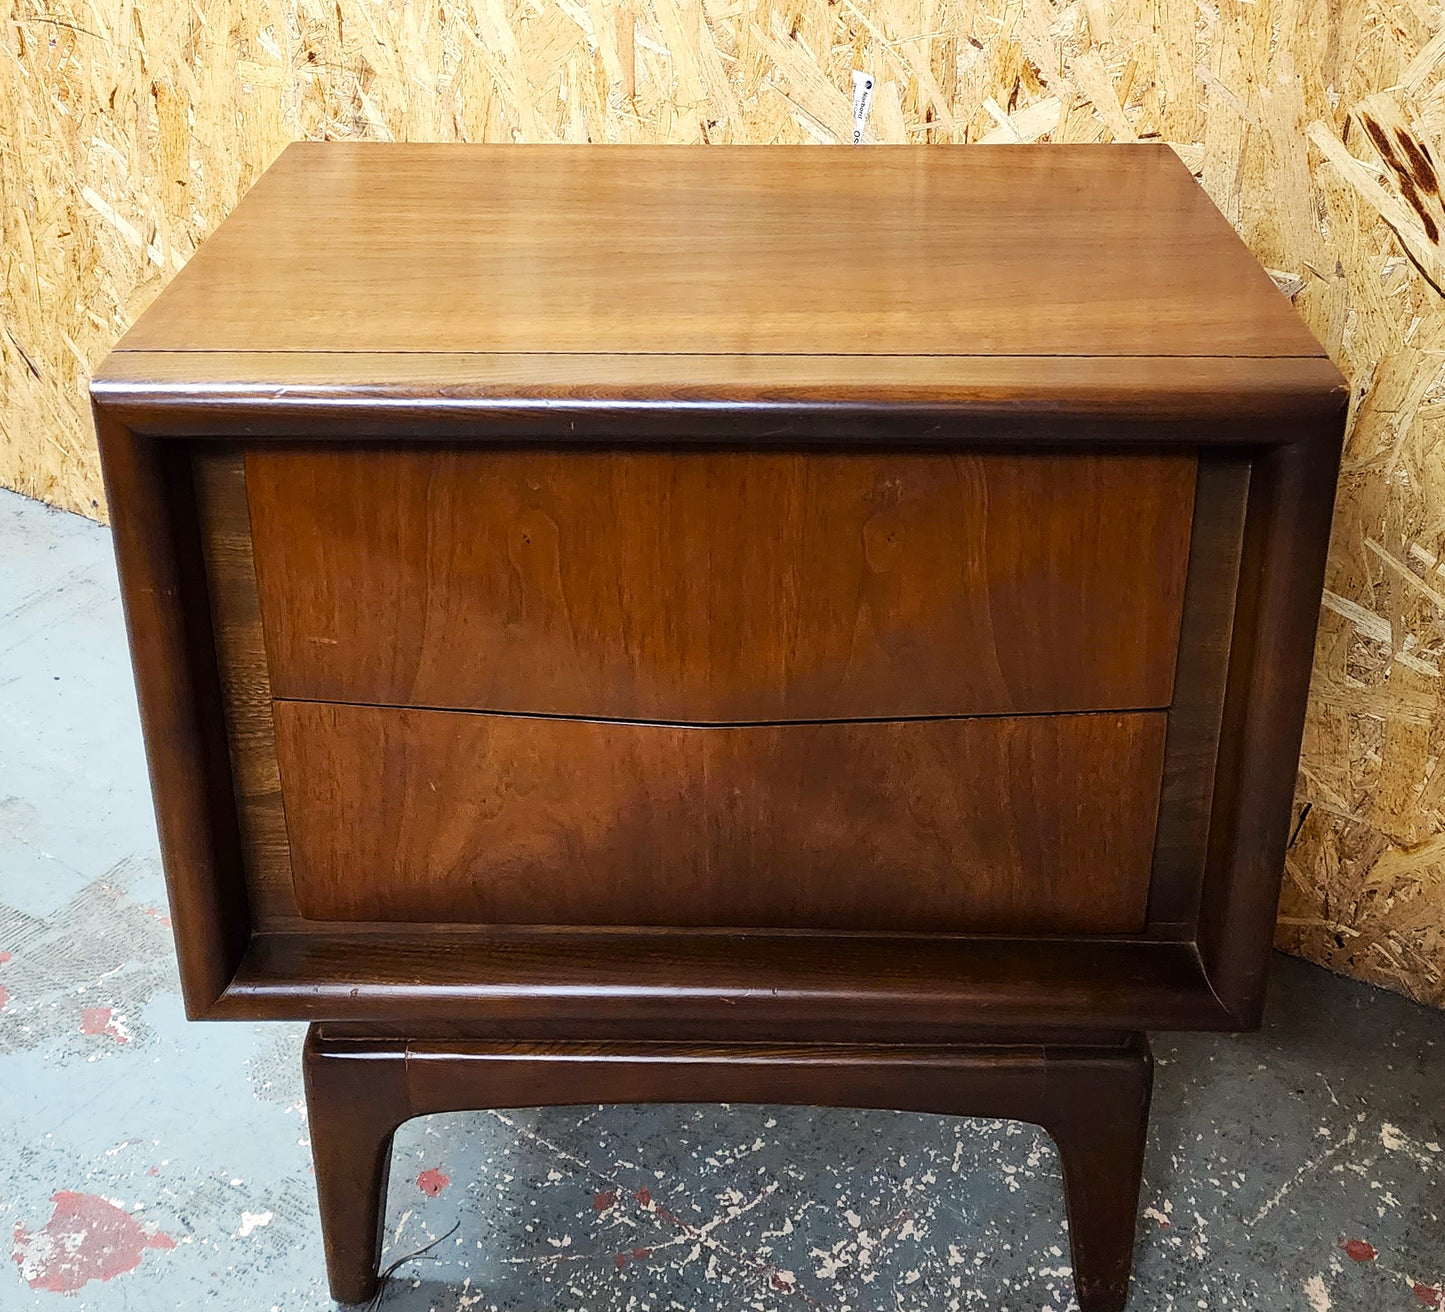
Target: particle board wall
x,y
127,130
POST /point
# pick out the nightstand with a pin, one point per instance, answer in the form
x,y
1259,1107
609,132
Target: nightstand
x,y
741,624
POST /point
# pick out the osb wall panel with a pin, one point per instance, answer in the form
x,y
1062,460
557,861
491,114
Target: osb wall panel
x,y
129,130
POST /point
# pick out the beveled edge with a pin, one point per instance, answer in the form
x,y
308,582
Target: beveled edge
x,y
712,397
721,985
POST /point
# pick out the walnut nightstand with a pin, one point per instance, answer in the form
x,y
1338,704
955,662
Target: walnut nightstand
x,y
741,624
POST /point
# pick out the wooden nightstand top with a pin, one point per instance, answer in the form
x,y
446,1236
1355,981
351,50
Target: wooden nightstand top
x,y
1085,277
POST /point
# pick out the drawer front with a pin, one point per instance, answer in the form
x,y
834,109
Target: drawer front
x,y
721,586
1034,823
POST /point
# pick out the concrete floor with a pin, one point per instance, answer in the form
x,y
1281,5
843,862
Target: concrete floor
x,y
147,1163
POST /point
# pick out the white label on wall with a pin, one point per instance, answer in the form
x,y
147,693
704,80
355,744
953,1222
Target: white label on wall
x,y
862,102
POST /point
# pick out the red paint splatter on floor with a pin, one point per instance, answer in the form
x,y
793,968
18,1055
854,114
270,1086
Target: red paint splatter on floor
x,y
154,1170
4,996
85,1239
641,1254
601,1202
1428,1295
620,1260
644,1196
1358,1250
99,1020
432,1181
156,911
780,1283
4,956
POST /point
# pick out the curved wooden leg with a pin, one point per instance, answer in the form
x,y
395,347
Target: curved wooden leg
x,y
1094,1101
1097,1111
356,1097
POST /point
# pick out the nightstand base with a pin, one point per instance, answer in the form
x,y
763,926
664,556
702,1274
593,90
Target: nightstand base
x,y
1093,1102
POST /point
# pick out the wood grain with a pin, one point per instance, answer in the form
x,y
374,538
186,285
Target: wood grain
x,y
721,586
220,491
1191,748
730,488
1032,824
884,399
1075,250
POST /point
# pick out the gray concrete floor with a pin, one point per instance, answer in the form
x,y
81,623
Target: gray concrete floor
x,y
147,1163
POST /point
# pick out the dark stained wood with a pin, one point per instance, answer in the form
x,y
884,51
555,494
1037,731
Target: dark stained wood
x,y
220,492
783,316
1033,824
163,590
722,586
1076,250
1251,402
1094,1103
221,489
958,1032
356,1096
1287,531
701,985
1192,744
689,400
1096,1109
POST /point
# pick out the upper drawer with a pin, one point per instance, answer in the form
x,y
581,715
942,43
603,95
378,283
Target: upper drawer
x,y
721,586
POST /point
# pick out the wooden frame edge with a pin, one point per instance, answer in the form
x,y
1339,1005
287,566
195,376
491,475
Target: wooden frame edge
x,y
157,551
147,478
562,398
1287,531
495,988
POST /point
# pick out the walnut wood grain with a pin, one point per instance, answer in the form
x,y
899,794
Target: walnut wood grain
x,y
1282,565
1196,708
721,586
1074,250
1040,823
1136,341
802,326
220,490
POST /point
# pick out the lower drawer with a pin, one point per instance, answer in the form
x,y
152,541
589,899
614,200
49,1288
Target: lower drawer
x,y
1030,824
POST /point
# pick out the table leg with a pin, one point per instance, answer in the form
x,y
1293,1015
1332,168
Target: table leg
x,y
1097,1113
356,1096
1093,1101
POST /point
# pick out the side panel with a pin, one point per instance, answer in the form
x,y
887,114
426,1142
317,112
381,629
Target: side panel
x,y
1197,705
158,550
220,490
1286,543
